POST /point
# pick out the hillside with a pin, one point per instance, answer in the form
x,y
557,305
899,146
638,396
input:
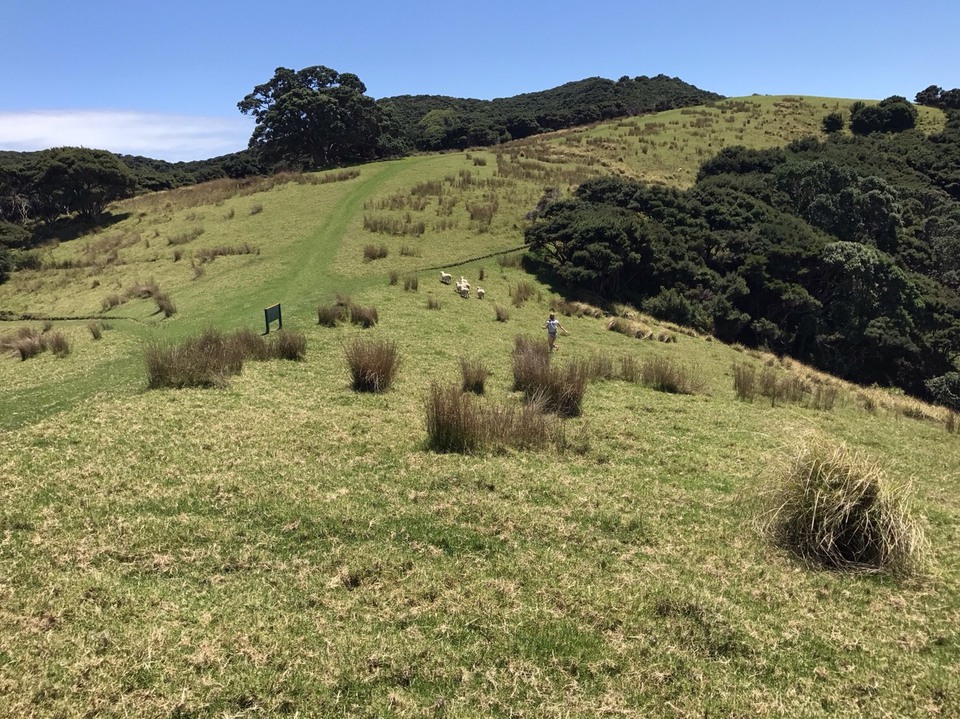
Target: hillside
x,y
285,545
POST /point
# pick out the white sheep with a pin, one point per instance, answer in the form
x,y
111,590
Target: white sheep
x,y
480,293
446,278
465,291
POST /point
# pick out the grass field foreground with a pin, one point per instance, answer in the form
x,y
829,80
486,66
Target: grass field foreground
x,y
288,546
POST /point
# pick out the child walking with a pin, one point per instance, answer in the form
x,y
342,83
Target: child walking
x,y
552,326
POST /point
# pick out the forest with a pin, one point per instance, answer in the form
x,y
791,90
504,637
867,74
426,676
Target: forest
x,y
844,253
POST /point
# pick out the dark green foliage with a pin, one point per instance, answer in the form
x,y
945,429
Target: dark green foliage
x,y
434,122
844,254
6,264
77,180
833,123
315,118
894,114
945,390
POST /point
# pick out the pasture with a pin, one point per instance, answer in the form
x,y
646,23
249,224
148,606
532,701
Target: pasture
x,y
285,545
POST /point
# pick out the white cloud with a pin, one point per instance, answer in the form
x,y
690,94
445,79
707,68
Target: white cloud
x,y
155,135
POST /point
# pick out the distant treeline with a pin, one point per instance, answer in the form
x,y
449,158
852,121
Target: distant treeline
x,y
436,122
844,254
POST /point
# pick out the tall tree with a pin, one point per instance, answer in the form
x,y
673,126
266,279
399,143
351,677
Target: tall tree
x,y
76,179
314,118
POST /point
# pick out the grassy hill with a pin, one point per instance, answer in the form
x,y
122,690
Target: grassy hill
x,y
286,545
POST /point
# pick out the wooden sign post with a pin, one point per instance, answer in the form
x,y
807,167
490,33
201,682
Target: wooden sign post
x,y
271,314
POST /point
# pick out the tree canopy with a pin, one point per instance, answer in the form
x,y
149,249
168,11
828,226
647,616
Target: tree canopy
x,y
315,118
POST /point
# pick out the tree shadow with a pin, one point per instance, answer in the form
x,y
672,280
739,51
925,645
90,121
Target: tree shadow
x,y
65,229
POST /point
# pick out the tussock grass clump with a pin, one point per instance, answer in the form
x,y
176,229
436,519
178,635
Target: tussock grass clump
x,y
165,304
56,343
331,315
288,345
411,283
665,375
185,237
110,301
511,259
374,252
600,367
95,328
206,360
393,277
502,313
460,422
531,361
209,254
556,389
835,508
26,342
521,293
373,363
433,303
363,316
474,374
745,381
629,328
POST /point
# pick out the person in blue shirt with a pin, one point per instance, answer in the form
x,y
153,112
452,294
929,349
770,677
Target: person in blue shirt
x,y
552,327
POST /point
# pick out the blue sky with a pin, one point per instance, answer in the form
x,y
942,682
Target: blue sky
x,y
163,79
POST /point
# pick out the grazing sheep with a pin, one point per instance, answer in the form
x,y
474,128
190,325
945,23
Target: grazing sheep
x,y
465,291
446,278
480,293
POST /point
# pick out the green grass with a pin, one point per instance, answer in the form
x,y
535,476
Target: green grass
x,y
287,545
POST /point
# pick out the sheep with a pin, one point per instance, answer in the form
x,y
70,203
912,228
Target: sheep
x,y
445,278
480,293
465,291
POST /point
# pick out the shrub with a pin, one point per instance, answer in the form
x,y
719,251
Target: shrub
x,y
833,507
363,316
331,315
474,375
373,363
411,283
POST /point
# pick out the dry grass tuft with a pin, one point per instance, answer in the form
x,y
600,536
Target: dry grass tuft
x,y
835,508
665,375
373,363
459,421
364,316
502,313
331,315
474,374
629,328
